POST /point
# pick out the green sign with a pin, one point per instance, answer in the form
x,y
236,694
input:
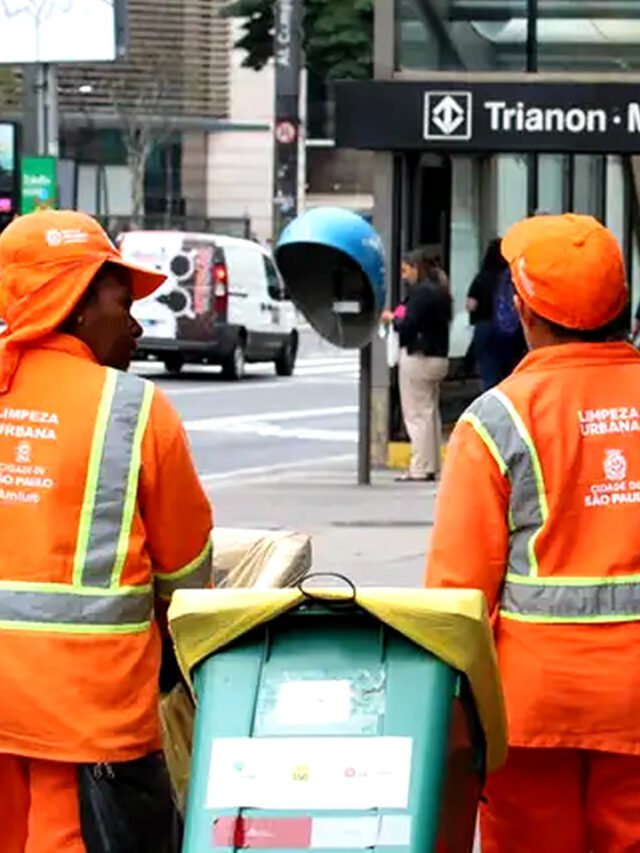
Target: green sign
x,y
39,183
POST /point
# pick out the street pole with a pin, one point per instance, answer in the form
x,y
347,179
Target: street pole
x,y
532,68
288,39
30,112
50,120
40,129
364,415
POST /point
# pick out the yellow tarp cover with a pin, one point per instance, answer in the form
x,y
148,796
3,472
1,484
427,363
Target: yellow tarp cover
x,y
451,624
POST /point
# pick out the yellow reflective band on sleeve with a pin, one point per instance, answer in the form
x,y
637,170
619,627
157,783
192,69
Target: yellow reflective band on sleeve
x,y
195,575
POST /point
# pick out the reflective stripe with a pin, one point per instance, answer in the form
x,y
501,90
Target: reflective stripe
x,y
95,601
506,437
93,470
607,601
526,596
131,611
195,575
110,495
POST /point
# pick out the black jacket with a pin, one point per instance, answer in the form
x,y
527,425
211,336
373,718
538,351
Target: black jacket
x,y
483,289
425,327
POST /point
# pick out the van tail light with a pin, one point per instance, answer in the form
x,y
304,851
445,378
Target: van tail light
x,y
220,290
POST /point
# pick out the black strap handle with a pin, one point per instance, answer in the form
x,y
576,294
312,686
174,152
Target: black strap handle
x,y
330,603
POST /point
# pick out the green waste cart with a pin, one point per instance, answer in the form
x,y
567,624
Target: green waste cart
x,y
260,559
328,720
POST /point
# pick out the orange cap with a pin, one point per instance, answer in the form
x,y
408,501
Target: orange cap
x,y
568,269
48,259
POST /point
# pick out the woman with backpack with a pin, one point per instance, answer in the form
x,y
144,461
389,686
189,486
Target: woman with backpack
x,y
498,340
422,323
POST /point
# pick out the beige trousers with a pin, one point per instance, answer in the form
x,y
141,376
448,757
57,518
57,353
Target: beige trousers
x,y
420,378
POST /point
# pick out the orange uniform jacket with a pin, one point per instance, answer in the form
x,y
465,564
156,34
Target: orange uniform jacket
x,y
101,514
539,508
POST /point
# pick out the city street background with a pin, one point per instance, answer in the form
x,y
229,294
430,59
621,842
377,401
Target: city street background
x,y
281,453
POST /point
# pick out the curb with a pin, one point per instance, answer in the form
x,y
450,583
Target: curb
x,y
399,454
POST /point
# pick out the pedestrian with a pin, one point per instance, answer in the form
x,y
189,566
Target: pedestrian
x,y
538,508
102,517
498,341
422,323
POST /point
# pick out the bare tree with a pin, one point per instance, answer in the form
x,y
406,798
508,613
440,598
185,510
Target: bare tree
x,y
142,98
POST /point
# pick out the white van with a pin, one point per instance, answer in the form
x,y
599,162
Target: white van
x,y
224,302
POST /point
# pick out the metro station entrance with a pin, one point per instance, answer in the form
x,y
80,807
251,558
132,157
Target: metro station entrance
x,y
426,190
461,176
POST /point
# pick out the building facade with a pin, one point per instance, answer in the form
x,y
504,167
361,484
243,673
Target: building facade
x,y
495,113
171,89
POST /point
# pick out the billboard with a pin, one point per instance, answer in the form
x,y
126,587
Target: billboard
x,y
52,31
7,167
39,183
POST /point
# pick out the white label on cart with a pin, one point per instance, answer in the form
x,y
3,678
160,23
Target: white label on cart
x,y
360,833
313,702
310,773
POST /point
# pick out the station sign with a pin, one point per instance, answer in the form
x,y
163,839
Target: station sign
x,y
523,116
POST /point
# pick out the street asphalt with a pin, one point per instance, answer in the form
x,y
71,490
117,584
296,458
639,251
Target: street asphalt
x,y
281,453
267,424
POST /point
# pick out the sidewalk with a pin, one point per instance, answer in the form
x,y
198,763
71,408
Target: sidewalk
x,y
377,535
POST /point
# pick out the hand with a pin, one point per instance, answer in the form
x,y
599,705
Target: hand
x,y
386,316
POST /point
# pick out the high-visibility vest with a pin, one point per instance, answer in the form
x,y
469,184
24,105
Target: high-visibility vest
x,y
95,600
102,514
528,594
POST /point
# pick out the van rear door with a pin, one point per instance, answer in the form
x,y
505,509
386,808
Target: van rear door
x,y
195,293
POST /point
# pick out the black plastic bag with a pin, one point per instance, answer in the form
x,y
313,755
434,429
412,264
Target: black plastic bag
x,y
128,807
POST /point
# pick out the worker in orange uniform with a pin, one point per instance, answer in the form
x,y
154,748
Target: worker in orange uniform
x,y
102,517
539,508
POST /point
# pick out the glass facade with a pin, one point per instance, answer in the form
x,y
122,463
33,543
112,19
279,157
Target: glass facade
x,y
488,194
491,35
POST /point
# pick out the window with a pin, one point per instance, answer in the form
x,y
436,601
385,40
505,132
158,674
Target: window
x,y
274,282
244,267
